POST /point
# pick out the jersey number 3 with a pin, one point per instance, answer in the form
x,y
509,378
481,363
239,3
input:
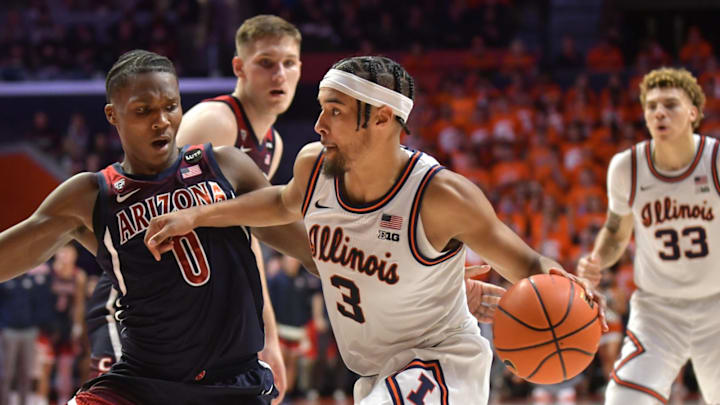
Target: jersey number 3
x,y
191,259
351,307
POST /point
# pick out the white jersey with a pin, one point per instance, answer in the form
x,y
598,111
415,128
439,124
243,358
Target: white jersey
x,y
677,230
386,288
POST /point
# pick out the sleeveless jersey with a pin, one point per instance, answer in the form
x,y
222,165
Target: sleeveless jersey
x,y
261,152
675,217
199,309
386,288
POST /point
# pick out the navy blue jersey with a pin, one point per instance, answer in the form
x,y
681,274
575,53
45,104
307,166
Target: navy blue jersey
x,y
261,152
197,312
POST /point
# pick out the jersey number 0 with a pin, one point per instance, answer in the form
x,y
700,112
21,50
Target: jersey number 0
x,y
191,259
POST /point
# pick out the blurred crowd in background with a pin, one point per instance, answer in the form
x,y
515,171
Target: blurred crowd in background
x,y
534,129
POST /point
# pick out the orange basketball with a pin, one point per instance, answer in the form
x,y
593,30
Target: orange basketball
x,y
545,330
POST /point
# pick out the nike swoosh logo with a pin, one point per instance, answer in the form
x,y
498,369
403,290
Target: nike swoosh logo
x,y
317,205
643,188
245,149
121,198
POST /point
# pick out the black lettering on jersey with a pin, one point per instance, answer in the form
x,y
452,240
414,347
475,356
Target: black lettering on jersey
x,y
193,156
333,246
385,235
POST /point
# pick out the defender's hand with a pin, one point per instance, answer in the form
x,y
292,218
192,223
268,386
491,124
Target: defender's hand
x,y
591,293
589,267
482,298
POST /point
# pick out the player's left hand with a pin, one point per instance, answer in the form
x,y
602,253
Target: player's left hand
x,y
482,298
590,291
272,355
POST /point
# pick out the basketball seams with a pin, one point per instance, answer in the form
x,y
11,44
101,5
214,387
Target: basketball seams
x,y
549,321
576,331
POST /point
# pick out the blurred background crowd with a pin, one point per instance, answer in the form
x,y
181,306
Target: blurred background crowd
x,y
529,99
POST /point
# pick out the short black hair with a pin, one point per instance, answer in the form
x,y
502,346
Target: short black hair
x,y
132,63
383,71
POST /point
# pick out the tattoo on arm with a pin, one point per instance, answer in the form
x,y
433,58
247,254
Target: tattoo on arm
x,y
612,223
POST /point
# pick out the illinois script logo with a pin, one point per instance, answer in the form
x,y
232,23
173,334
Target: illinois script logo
x,y
333,246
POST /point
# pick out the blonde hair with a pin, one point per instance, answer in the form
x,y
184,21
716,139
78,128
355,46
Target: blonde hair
x,y
263,26
675,78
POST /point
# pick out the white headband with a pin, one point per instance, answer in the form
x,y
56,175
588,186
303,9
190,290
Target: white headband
x,y
367,91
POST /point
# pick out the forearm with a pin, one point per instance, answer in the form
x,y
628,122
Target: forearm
x,y
264,207
609,248
291,240
29,244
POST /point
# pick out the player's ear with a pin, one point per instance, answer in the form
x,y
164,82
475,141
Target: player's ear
x,y
238,65
110,114
383,116
694,112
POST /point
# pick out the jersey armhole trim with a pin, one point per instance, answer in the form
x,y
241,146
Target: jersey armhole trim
x,y
716,181
633,175
413,228
312,181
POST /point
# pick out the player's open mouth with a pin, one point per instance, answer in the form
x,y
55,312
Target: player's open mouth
x,y
160,143
277,93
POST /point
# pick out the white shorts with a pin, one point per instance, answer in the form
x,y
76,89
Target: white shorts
x,y
457,371
662,335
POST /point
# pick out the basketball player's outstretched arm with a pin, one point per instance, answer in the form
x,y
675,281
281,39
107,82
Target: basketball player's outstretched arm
x,y
267,206
610,244
454,209
64,215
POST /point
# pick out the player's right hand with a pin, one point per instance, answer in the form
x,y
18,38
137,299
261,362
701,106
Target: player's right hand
x,y
589,268
159,234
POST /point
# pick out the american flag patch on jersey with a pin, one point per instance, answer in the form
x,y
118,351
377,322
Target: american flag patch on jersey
x,y
701,180
391,221
191,171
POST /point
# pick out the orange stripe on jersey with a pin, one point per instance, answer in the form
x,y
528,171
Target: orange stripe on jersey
x,y
633,180
383,200
310,189
716,181
637,387
412,229
394,391
680,177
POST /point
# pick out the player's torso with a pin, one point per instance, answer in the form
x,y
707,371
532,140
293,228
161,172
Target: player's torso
x,y
386,289
261,151
175,311
676,224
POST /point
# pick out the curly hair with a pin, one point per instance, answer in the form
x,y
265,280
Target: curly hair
x,y
675,78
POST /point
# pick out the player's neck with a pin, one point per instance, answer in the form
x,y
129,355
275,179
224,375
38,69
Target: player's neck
x,y
673,154
259,120
367,180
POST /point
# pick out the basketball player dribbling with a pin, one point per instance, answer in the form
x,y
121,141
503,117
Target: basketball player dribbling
x,y
181,344
267,65
666,190
388,228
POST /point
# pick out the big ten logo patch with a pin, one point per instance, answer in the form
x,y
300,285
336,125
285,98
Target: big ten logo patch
x,y
391,236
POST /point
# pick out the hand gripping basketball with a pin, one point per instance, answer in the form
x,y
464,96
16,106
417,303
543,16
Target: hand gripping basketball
x,y
547,328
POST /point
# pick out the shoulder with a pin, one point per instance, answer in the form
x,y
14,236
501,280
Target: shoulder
x,y
449,192
622,162
239,169
307,157
208,121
